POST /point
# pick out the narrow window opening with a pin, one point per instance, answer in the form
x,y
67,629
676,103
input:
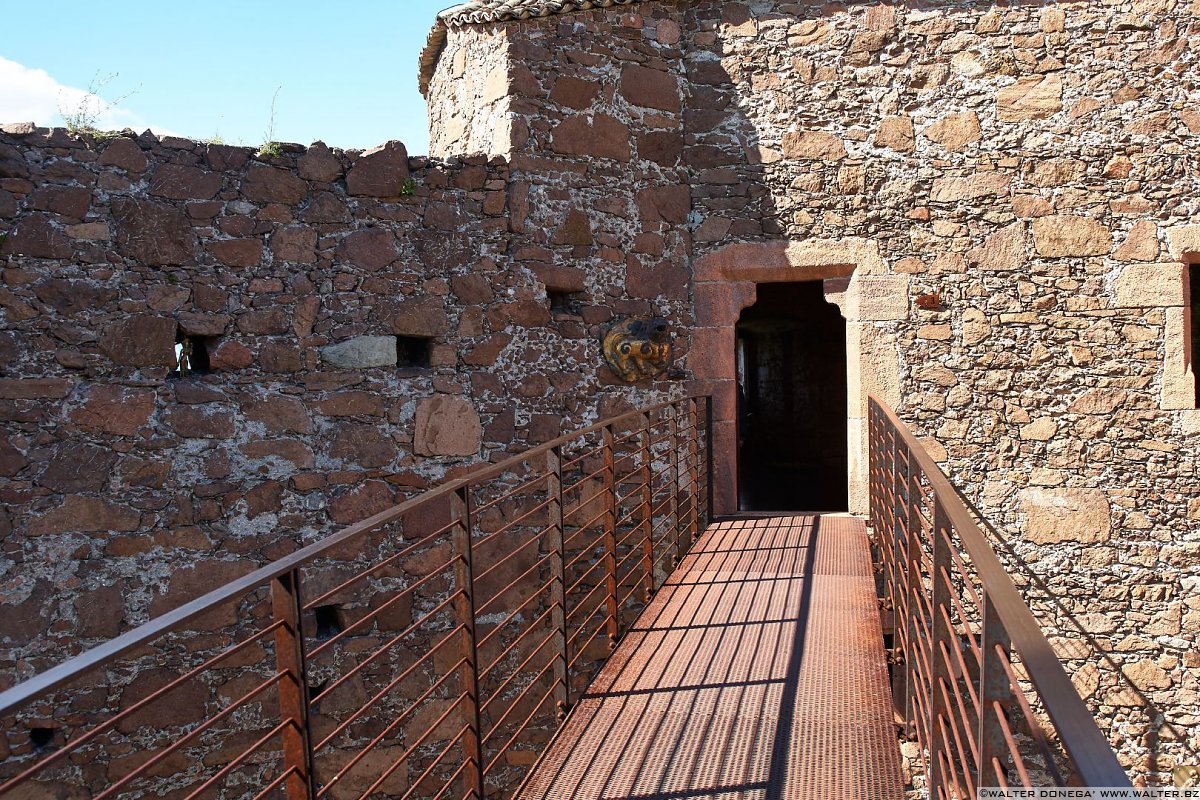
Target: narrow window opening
x,y
191,355
329,622
563,302
412,352
41,738
1192,333
315,690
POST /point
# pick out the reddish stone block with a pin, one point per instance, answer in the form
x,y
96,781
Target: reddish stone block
x,y
229,355
237,252
294,245
574,92
351,404
12,163
193,422
575,230
264,322
370,249
142,340
447,426
666,279
319,164
382,172
364,446
69,201
421,316
78,467
665,204
11,460
34,388
101,612
71,297
153,234
602,137
34,236
115,410
472,289
85,515
560,279
273,185
182,182
651,88
662,147
360,502
280,357
291,450
721,303
278,413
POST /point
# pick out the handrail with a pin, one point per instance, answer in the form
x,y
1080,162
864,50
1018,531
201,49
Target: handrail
x,y
540,506
921,573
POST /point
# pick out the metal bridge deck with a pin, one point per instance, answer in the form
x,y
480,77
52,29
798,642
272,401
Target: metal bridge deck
x,y
758,671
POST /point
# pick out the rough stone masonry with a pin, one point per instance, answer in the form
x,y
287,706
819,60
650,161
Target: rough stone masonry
x,y
1033,165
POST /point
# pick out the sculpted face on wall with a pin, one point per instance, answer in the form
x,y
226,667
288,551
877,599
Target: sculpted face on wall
x,y
638,348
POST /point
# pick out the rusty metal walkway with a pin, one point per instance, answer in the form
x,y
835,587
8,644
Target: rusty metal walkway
x,y
758,671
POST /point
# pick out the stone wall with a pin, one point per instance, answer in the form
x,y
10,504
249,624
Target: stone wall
x,y
128,489
1000,199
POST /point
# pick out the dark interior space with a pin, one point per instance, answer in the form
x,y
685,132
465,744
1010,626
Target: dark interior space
x,y
1193,324
791,352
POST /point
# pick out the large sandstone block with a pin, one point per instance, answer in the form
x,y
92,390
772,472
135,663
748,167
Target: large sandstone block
x,y
1004,250
1065,515
1149,285
651,88
1030,97
153,234
955,190
816,145
85,514
602,137
1066,235
447,426
142,340
955,131
1183,241
382,172
362,352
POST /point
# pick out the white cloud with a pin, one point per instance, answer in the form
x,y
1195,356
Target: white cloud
x,y
33,95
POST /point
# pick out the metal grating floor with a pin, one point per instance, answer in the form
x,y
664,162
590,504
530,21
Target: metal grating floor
x,y
758,671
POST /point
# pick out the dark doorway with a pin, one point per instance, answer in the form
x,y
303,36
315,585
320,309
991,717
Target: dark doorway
x,y
791,352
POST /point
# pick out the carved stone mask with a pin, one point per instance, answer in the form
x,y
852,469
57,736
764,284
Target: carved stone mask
x,y
638,348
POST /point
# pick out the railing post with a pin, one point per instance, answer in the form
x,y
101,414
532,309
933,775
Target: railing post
x,y
676,477
908,572
939,635
610,539
464,610
647,504
693,471
558,613
708,447
293,685
993,687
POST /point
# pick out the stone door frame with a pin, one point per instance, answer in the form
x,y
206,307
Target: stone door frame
x,y
856,281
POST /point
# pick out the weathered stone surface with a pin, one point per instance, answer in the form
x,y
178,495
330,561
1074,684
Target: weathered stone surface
x,y
1031,97
360,502
447,426
141,341
371,249
362,446
319,164
153,234
896,133
664,204
85,515
243,253
265,184
955,131
79,467
575,230
126,154
575,93
11,459
294,245
561,279
381,172
1040,430
362,352
36,237
420,316
602,137
1065,515
1183,241
1141,244
1065,235
651,88
114,410
69,201
1002,251
816,145
199,422
181,182
1149,286
12,163
955,190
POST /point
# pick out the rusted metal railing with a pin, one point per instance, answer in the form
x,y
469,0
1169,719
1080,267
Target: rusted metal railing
x,y
428,651
982,691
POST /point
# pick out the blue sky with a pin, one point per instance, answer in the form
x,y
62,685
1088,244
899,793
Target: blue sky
x,y
346,70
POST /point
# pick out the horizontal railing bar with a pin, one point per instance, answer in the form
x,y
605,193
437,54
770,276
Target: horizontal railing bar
x,y
346,723
1088,748
520,487
1011,741
232,765
109,723
407,551
342,634
40,684
409,631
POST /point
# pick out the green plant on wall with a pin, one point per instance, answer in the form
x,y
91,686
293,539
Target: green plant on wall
x,y
408,188
83,116
271,148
